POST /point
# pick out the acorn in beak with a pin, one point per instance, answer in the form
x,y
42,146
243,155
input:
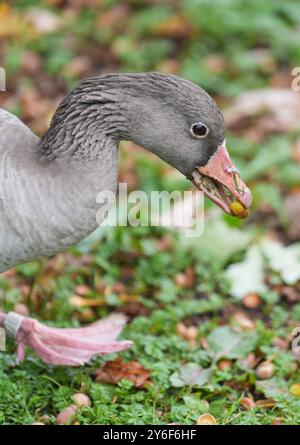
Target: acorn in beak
x,y
220,181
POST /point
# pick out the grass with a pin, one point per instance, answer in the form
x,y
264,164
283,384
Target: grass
x,y
32,390
156,276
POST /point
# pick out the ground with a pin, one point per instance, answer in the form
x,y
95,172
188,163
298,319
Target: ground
x,y
211,318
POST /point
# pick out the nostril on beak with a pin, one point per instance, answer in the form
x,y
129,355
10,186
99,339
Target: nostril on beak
x,y
232,169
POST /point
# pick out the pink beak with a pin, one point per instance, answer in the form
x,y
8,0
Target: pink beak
x,y
225,175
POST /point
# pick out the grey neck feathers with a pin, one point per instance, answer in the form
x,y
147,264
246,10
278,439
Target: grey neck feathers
x,y
103,110
88,123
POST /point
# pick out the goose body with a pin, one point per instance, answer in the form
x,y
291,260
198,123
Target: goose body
x,y
49,186
44,208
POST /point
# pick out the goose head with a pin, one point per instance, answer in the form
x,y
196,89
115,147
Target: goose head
x,y
172,117
179,122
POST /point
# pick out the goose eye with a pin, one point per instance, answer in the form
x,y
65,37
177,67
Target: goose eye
x,y
199,130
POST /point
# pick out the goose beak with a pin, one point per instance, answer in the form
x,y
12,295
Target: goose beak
x,y
220,181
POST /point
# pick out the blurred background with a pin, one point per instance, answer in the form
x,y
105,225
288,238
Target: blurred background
x,y
176,293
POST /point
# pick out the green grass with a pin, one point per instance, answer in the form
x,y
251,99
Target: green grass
x,y
33,389
253,42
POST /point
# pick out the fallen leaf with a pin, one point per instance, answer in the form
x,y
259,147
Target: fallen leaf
x,y
230,241
273,387
282,259
134,308
78,301
190,374
175,27
116,370
223,342
295,389
265,403
195,403
247,276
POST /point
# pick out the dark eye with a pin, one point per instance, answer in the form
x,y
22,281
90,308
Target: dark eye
x,y
199,130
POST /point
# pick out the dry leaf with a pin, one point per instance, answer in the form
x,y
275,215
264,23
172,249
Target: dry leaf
x,y
77,301
295,389
116,370
134,308
175,27
265,403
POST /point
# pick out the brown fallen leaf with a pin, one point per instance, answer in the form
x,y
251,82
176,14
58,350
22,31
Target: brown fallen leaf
x,y
134,308
78,301
265,403
116,370
175,27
